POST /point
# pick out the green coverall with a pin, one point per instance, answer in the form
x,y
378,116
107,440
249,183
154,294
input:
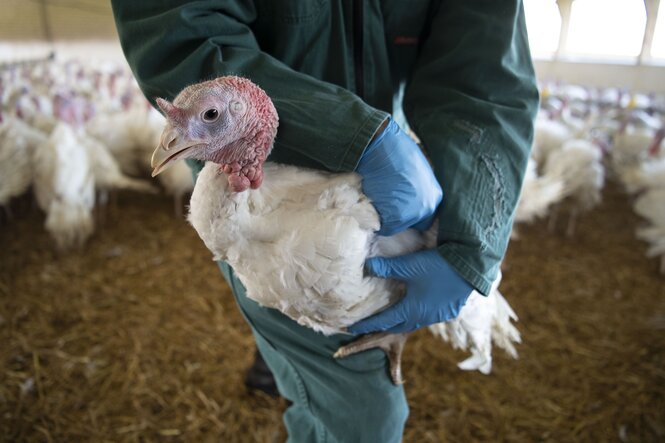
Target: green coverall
x,y
333,70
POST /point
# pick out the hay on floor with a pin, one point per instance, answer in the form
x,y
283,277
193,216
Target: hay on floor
x,y
136,338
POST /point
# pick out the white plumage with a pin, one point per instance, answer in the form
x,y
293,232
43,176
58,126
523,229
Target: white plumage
x,y
549,136
130,137
538,194
105,169
578,164
645,175
299,243
651,206
18,142
482,321
631,147
64,187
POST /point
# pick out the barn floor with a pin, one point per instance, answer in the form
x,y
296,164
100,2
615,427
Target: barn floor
x,y
136,338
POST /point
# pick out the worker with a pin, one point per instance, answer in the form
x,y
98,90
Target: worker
x,y
337,71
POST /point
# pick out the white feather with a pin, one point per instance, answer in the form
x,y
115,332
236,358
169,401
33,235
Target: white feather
x,y
299,244
64,187
538,194
579,166
18,143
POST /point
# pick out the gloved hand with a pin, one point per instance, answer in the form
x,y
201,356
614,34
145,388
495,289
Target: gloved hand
x,y
434,293
399,181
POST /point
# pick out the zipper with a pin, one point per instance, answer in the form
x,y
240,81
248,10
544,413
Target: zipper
x,y
358,47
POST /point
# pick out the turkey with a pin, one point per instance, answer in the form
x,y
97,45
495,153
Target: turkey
x,y
64,182
106,170
131,137
549,136
650,206
481,322
309,265
579,165
655,236
634,144
538,194
126,135
18,142
116,131
645,175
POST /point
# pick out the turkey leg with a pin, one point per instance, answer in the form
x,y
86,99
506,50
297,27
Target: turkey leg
x,y
392,345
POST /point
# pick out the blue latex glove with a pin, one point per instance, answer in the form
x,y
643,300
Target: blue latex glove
x,y
399,181
434,293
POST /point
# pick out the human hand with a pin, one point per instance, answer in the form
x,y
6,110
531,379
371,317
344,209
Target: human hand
x,y
435,293
399,181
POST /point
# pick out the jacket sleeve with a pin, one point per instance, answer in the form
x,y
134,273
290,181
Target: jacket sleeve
x,y
170,44
471,99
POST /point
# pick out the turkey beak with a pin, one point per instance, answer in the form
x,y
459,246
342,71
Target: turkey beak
x,y
171,147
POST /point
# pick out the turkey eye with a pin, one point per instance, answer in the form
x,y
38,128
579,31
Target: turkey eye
x,y
210,115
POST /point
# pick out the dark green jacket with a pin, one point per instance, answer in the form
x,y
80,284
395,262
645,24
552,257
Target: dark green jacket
x,y
332,69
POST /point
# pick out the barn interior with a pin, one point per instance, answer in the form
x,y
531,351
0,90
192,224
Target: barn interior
x,y
122,329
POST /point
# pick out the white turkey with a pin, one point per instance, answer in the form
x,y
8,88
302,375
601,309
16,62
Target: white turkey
x,y
115,131
538,194
64,183
645,175
131,136
655,236
18,142
127,135
298,240
651,206
579,165
106,170
483,321
549,136
634,144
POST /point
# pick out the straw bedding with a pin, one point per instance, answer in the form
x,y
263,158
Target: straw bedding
x,y
136,338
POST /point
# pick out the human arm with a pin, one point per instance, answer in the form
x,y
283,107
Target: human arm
x,y
471,100
170,44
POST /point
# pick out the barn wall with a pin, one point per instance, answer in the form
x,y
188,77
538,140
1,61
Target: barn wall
x,y
644,78
56,20
67,24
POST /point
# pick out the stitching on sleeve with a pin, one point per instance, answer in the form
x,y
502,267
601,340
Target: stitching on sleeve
x,y
498,196
475,133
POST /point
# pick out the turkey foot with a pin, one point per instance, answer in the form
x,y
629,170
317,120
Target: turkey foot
x,y
392,345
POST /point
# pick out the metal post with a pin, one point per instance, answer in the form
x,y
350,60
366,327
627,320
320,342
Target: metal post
x,y
652,7
565,7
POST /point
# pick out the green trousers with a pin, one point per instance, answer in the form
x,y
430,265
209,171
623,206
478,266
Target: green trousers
x,y
333,400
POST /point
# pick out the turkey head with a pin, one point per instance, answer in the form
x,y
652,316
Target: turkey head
x,y
229,121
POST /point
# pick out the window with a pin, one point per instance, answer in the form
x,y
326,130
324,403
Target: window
x,y
543,23
607,28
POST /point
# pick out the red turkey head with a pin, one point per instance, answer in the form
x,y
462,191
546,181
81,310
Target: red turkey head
x,y
229,121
